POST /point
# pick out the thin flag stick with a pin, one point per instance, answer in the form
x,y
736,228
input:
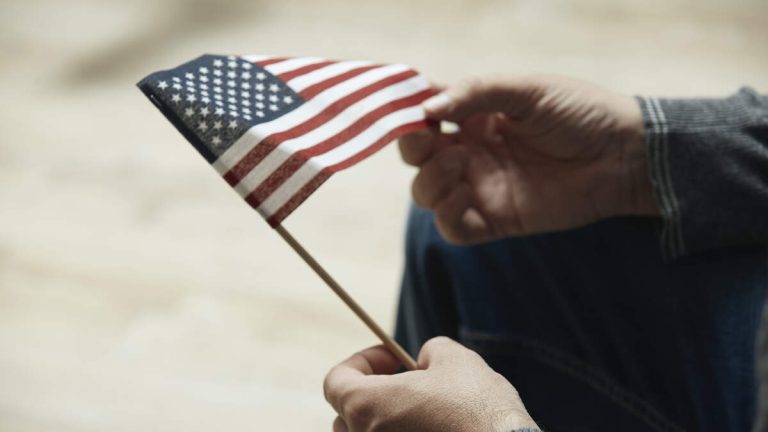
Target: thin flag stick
x,y
390,343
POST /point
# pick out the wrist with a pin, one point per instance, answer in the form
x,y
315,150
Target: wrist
x,y
636,190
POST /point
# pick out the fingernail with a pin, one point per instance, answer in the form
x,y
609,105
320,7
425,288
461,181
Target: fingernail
x,y
440,102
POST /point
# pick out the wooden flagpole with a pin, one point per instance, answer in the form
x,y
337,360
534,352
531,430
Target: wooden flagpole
x,y
390,343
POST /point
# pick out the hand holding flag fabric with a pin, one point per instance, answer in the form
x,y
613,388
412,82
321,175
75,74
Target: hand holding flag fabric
x,y
533,154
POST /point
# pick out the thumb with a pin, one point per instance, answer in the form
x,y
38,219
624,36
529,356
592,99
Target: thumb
x,y
458,102
438,351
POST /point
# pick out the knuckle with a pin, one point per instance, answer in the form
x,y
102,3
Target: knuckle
x,y
428,187
339,425
414,147
329,386
335,388
406,154
358,411
438,342
473,356
438,177
503,380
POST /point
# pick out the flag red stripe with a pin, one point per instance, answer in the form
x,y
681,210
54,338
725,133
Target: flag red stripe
x,y
373,148
303,70
269,143
267,62
298,159
325,173
365,122
298,198
313,90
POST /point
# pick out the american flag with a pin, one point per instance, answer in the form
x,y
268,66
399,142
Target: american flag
x,y
276,128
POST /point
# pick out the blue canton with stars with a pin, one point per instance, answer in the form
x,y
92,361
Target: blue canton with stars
x,y
213,100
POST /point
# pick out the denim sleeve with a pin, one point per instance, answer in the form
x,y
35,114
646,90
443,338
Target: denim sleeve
x,y
708,162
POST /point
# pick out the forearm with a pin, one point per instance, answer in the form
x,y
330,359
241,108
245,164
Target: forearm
x,y
708,165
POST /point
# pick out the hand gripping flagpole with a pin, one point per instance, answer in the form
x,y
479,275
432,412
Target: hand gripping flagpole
x,y
390,343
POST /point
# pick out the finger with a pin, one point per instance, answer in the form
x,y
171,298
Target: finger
x,y
438,351
439,175
347,376
378,360
458,221
510,95
339,425
416,147
483,128
436,86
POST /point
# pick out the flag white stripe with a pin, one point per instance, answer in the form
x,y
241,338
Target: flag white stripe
x,y
291,64
377,130
328,129
253,58
300,83
309,109
352,147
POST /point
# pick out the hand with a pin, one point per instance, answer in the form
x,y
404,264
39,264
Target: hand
x,y
454,391
533,154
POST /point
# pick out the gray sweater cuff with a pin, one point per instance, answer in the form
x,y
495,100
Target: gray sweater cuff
x,y
708,162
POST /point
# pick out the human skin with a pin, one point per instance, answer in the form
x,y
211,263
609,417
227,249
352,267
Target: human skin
x,y
532,154
453,390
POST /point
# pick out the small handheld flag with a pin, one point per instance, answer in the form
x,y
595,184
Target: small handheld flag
x,y
276,128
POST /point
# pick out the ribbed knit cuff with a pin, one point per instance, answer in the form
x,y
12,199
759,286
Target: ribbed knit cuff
x,y
704,157
656,133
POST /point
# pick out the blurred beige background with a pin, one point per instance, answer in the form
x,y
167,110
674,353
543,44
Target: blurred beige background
x,y
137,292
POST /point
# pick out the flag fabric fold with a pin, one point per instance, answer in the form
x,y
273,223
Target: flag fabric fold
x,y
276,128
